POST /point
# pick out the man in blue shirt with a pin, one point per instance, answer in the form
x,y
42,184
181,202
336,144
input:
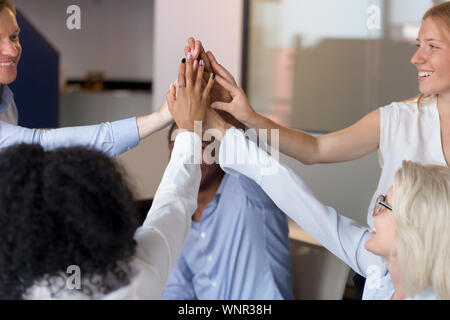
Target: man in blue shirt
x,y
238,246
112,138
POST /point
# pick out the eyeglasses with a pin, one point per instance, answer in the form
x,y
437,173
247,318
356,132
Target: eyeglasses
x,y
379,204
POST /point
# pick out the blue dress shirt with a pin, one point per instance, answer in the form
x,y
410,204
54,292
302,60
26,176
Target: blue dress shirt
x,y
113,138
238,250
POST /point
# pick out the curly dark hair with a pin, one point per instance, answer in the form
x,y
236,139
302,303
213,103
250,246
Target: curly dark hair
x,y
70,206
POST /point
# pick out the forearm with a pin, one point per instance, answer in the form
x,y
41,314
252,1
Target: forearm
x,y
149,124
294,143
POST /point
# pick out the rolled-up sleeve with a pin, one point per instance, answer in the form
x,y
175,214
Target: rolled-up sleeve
x,y
112,138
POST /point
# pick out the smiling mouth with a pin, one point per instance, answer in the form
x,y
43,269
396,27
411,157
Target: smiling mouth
x,y
7,64
424,75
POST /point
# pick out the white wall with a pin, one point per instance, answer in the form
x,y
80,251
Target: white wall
x,y
217,23
116,36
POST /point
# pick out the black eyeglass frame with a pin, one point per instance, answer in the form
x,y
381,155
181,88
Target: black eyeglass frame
x,y
379,203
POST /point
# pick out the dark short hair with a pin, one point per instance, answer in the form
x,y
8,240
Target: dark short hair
x,y
70,206
8,5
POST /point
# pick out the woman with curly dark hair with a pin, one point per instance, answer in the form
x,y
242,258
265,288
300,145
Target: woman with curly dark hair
x,y
71,207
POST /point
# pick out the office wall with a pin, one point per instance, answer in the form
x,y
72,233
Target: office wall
x,y
217,23
116,36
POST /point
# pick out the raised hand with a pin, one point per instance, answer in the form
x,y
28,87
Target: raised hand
x,y
190,102
195,48
238,107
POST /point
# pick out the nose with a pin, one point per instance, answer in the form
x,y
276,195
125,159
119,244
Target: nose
x,y
9,48
418,57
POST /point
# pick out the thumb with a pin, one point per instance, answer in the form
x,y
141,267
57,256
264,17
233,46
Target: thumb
x,y
170,96
221,106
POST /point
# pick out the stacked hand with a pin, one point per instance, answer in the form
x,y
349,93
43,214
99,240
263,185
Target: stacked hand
x,y
196,90
191,100
226,95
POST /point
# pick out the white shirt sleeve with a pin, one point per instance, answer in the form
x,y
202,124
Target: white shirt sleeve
x,y
340,235
162,236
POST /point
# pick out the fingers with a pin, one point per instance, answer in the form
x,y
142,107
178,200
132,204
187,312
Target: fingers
x,y
196,51
221,106
187,49
170,96
191,44
207,91
219,69
195,54
199,81
182,73
189,72
233,89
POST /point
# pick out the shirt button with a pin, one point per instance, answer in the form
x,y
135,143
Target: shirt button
x,y
210,258
203,235
214,283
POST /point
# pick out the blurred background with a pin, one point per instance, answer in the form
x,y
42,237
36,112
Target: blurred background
x,y
316,65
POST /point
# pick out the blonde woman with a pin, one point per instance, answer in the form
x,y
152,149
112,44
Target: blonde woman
x,y
407,254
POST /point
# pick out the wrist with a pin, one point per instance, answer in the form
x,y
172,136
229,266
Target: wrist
x,y
251,118
163,116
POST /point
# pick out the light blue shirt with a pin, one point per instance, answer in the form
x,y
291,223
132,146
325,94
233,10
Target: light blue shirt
x,y
113,138
340,235
238,250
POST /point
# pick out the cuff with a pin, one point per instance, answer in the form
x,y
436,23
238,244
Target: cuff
x,y
239,155
188,147
126,135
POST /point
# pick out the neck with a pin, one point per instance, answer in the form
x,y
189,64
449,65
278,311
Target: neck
x,y
444,103
396,277
205,196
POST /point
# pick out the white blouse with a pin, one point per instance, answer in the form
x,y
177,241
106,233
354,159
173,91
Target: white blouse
x,y
407,133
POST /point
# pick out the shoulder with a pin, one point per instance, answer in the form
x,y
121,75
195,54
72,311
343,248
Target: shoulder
x,y
398,108
249,189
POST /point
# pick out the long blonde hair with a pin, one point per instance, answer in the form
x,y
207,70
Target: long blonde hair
x,y
441,14
421,214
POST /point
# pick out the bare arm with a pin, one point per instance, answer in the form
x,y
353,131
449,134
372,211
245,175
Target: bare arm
x,y
347,144
149,124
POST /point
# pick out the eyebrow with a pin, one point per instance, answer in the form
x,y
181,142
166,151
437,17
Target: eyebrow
x,y
418,40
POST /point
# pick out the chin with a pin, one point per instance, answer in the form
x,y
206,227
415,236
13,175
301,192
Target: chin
x,y
371,246
8,80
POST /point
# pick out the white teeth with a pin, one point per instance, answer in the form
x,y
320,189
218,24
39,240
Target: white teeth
x,y
6,64
425,74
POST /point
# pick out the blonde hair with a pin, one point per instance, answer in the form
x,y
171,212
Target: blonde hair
x,y
7,4
441,14
421,213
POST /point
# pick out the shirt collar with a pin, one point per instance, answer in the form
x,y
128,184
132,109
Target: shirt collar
x,y
222,185
210,207
6,97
